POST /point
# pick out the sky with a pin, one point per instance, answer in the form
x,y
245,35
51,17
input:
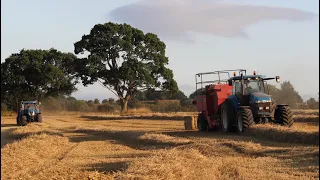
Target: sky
x,y
272,37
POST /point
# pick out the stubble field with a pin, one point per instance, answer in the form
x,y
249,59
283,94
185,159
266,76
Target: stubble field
x,y
156,146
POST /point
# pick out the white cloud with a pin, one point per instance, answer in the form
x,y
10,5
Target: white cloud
x,y
174,19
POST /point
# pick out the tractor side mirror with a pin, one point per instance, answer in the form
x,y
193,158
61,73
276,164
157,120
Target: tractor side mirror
x,y
229,82
278,79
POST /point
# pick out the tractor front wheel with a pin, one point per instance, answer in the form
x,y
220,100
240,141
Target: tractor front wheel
x,y
39,118
244,119
283,116
202,123
22,120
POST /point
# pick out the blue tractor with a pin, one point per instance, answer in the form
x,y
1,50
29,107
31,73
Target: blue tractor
x,y
29,112
250,103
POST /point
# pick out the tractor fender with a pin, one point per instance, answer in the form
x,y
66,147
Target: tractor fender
x,y
244,107
282,105
234,101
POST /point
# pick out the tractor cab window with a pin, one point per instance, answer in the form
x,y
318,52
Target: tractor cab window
x,y
251,86
29,106
236,88
26,106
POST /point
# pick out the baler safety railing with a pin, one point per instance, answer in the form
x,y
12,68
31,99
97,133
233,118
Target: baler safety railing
x,y
217,73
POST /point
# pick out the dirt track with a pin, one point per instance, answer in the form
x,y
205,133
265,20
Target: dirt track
x,y
108,146
6,136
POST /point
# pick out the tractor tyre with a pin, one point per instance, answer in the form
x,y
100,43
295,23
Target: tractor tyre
x,y
227,116
23,120
202,123
283,116
39,118
244,119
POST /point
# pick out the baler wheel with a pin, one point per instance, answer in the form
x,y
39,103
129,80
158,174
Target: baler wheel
x,y
202,123
283,116
227,116
244,119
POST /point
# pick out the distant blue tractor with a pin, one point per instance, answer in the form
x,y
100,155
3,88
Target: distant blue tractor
x,y
29,112
250,103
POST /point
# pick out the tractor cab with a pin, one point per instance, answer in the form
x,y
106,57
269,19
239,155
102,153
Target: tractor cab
x,y
251,84
30,107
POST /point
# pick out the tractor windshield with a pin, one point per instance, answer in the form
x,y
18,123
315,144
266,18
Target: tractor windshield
x,y
29,106
251,86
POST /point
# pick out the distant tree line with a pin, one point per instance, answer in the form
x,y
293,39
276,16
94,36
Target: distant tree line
x,y
156,101
287,94
72,104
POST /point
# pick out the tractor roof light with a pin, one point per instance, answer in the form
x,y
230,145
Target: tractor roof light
x,y
234,73
254,73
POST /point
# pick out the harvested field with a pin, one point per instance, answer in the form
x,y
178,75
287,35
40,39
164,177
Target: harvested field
x,y
156,146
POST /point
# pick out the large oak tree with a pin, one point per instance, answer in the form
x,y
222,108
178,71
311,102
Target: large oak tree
x,y
124,60
36,74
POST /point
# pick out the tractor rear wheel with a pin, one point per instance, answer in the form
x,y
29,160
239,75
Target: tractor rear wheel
x,y
39,118
244,119
283,116
202,123
227,116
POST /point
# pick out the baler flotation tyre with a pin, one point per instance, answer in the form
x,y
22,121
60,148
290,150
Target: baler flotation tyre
x,y
283,116
227,116
23,120
39,118
202,123
244,119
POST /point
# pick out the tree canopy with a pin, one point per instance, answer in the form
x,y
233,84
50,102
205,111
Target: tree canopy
x,y
96,101
123,59
36,74
312,103
197,92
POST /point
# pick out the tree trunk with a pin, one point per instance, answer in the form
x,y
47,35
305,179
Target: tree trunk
x,y
124,105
